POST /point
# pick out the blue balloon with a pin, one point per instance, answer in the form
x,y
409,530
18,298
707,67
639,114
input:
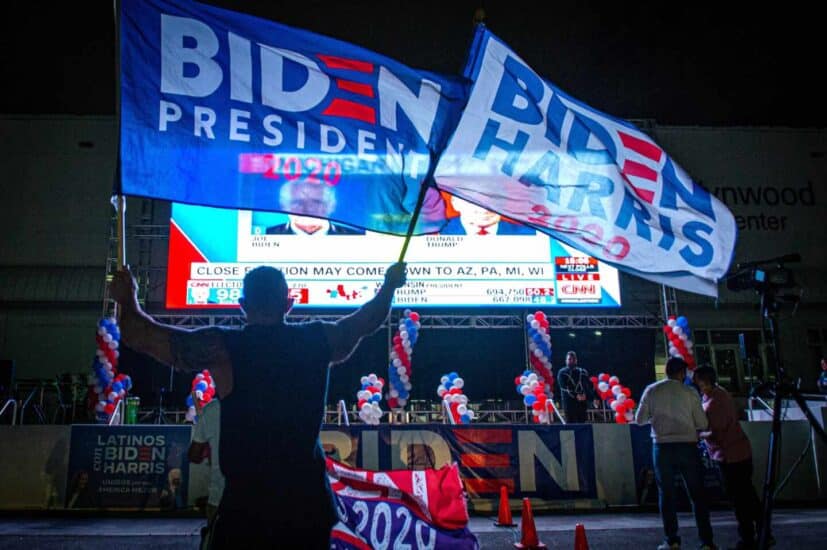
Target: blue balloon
x,y
682,321
376,398
526,372
520,389
465,419
190,402
529,400
201,386
448,385
117,387
452,376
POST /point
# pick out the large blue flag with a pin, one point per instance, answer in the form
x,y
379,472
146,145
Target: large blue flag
x,y
526,149
224,109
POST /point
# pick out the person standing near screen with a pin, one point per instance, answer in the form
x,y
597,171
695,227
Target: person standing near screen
x,y
271,377
575,389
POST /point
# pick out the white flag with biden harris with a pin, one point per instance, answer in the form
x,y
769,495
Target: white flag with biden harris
x,y
531,152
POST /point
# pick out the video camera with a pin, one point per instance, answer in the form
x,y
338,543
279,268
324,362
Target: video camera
x,y
749,276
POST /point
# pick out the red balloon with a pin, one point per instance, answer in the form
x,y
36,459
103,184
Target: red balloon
x,y
630,404
397,339
603,377
620,418
537,406
627,392
109,408
517,381
360,403
594,380
414,316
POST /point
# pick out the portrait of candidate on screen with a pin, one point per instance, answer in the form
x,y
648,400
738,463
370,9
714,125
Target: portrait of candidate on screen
x,y
311,204
466,218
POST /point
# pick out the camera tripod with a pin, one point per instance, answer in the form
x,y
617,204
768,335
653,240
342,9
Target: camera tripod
x,y
780,389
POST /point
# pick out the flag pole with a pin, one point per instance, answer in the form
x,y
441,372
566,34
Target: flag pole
x,y
118,199
420,200
478,19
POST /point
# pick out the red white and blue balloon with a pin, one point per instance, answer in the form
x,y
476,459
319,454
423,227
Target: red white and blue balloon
x,y
109,386
450,391
203,390
539,346
535,394
680,345
616,396
399,370
368,399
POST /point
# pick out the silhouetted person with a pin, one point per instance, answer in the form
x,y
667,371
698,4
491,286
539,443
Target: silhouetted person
x,y
271,377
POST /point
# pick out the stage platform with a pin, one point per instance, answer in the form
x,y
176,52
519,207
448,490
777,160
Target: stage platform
x,y
559,467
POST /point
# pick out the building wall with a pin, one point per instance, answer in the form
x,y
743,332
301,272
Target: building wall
x,y
55,219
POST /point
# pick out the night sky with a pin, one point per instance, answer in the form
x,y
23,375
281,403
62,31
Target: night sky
x,y
695,64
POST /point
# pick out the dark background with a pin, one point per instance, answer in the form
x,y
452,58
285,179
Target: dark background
x,y
487,359
698,63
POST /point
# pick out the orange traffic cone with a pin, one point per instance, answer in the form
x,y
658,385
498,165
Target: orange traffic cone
x,y
504,518
580,542
529,540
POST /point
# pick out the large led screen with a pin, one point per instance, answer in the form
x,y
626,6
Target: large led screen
x,y
478,259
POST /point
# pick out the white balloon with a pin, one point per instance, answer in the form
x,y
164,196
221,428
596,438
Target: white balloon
x,y
462,409
532,376
671,322
617,390
538,353
529,318
463,399
363,380
471,414
523,379
393,393
535,324
402,402
613,405
525,390
372,378
440,391
400,370
443,380
408,386
677,329
459,382
621,397
403,377
532,346
603,386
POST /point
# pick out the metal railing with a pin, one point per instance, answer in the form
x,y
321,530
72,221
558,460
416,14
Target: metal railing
x,y
13,404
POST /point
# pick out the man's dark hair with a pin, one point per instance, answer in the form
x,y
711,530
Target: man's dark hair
x,y
707,374
265,288
675,365
571,353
